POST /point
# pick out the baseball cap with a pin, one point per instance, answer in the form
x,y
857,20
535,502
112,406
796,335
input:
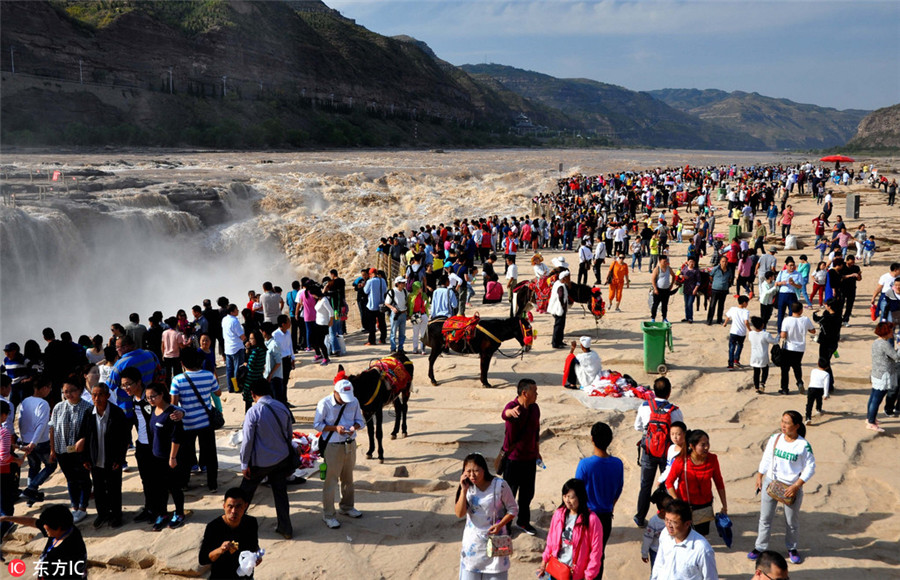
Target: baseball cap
x,y
345,389
399,280
11,346
373,271
773,249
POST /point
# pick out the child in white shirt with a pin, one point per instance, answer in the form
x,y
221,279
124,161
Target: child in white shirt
x,y
819,388
650,545
737,316
760,340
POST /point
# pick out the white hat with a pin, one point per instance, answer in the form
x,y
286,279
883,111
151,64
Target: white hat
x,y
560,262
399,280
585,341
345,389
564,274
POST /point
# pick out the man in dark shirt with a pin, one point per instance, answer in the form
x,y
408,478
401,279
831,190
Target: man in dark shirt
x,y
523,422
852,275
229,535
214,323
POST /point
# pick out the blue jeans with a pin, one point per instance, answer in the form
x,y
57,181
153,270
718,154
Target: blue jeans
x,y
398,330
735,347
232,364
875,399
78,479
40,455
689,305
785,299
334,332
636,257
803,294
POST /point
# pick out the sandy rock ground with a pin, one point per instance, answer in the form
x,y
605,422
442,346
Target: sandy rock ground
x,y
849,524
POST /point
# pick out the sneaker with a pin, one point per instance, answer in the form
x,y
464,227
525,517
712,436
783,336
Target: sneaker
x,y
78,515
730,367
795,557
639,522
99,521
808,421
159,524
143,516
176,522
783,392
666,320
325,362
801,388
317,358
115,523
352,512
331,522
762,388
874,427
753,554
528,529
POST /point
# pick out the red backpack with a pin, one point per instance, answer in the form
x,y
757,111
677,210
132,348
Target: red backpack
x,y
656,438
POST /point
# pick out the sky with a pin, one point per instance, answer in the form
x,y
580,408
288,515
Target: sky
x,y
841,54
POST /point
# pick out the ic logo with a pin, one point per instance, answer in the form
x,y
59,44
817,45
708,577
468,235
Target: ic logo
x,y
16,568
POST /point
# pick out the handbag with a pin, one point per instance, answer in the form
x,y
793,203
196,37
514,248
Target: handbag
x,y
558,570
216,418
776,489
777,355
699,515
499,545
500,461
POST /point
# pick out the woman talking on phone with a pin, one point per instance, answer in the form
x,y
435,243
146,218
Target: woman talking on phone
x,y
489,506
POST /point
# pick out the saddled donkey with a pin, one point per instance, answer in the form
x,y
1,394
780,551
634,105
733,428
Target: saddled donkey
x,y
488,334
387,380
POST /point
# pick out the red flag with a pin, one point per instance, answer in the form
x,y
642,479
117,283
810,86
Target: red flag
x,y
56,176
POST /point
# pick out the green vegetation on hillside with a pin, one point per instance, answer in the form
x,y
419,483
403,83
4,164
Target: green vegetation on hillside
x,y
191,17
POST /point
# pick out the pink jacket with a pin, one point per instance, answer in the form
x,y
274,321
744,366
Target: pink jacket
x,y
588,551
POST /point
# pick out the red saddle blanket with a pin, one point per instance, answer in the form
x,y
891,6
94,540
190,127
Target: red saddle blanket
x,y
459,328
393,372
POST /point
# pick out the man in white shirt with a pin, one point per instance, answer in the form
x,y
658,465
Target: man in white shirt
x,y
512,279
282,336
582,368
233,336
683,553
793,332
884,286
584,261
737,316
34,433
271,302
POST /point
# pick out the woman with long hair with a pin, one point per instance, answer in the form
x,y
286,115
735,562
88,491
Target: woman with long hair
x,y
788,459
94,353
488,504
883,375
256,364
575,537
697,469
165,436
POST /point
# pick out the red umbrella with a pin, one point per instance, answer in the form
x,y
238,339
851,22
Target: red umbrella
x,y
837,159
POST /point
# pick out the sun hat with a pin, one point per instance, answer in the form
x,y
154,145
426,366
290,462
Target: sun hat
x,y
345,389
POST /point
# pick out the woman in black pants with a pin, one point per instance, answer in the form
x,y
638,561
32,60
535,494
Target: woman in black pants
x,y
720,281
662,278
168,472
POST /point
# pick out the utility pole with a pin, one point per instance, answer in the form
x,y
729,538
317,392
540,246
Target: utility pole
x,y
80,72
224,89
12,58
170,81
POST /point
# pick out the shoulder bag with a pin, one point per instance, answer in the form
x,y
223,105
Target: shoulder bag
x,y
293,456
698,515
499,545
323,443
216,418
776,489
558,570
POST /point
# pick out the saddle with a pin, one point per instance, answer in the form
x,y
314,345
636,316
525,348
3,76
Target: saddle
x,y
598,308
459,328
393,373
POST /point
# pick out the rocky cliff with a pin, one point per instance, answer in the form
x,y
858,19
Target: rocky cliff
x,y
880,130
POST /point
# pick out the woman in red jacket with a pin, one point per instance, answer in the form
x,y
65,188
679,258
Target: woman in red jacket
x,y
575,538
697,469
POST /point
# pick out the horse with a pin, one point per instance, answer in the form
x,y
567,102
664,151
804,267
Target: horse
x,y
378,386
489,334
584,295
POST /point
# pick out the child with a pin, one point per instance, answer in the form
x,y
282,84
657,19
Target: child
x,y
655,526
819,388
868,251
767,293
822,246
738,316
760,339
819,278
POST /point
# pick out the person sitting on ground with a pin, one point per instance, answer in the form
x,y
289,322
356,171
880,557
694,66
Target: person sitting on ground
x,y
581,369
64,555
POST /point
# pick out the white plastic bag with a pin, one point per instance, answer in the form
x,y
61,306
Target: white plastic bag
x,y
247,562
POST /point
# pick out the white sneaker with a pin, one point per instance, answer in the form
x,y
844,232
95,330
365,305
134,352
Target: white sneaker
x,y
78,515
352,512
331,522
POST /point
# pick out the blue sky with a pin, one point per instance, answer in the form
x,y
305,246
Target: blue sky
x,y
841,54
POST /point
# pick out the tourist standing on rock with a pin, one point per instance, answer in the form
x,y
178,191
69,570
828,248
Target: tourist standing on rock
x,y
265,451
234,337
788,459
339,418
192,391
489,506
654,420
683,553
106,434
67,444
575,537
396,301
603,477
34,433
271,303
885,364
696,470
618,280
522,417
663,284
690,277
375,289
793,333
166,436
227,536
719,283
788,282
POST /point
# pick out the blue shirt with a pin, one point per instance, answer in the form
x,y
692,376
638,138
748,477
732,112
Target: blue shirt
x,y
375,289
195,416
291,300
603,478
443,301
163,431
266,433
785,276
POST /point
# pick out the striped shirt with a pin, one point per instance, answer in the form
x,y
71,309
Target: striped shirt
x,y
65,423
16,368
6,456
195,416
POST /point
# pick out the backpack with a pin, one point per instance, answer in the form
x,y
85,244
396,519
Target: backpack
x,y
656,439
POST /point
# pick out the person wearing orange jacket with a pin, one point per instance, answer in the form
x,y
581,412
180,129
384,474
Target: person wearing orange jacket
x,y
617,278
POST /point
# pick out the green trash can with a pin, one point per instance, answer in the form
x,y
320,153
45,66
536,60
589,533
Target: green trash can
x,y
656,336
722,194
734,231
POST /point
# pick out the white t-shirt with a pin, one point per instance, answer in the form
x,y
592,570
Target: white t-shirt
x,y
792,459
819,379
759,347
886,281
795,329
512,272
739,318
